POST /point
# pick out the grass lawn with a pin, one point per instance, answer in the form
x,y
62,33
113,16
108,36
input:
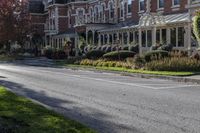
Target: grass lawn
x,y
20,115
165,73
10,57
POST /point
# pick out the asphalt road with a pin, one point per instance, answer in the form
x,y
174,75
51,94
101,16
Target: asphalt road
x,y
109,103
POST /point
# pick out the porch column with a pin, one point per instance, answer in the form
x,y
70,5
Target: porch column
x,y
189,34
103,39
99,40
134,37
140,41
128,38
108,38
154,36
113,39
76,44
168,36
86,37
189,30
93,37
122,39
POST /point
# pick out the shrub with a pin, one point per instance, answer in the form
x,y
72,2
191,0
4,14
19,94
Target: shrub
x,y
95,54
116,55
134,48
114,48
154,47
156,54
49,53
139,61
174,64
126,48
108,49
103,48
168,47
60,54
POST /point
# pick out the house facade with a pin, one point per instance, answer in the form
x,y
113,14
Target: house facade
x,y
114,22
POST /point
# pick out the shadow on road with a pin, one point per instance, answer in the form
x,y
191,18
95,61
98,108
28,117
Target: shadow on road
x,y
94,119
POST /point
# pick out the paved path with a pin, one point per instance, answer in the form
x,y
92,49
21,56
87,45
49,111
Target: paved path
x,y
110,103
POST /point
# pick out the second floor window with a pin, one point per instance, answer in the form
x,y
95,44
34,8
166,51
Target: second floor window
x,y
160,3
176,2
111,10
141,5
129,6
122,9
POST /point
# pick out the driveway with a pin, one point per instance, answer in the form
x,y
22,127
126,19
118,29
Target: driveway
x,y
109,103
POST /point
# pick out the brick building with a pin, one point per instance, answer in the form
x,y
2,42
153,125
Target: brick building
x,y
108,22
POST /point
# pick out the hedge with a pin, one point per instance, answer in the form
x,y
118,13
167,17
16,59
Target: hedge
x,y
156,54
95,54
118,55
134,48
174,64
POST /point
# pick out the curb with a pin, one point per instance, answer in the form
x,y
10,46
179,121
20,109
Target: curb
x,y
174,78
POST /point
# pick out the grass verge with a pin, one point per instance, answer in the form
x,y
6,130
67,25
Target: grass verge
x,y
164,73
10,57
20,115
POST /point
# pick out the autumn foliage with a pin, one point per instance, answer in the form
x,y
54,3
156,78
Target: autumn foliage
x,y
14,21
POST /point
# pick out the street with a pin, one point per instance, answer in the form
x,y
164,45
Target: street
x,y
109,103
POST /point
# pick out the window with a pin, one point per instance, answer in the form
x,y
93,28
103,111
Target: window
x,y
143,38
160,3
177,36
122,9
129,6
181,37
173,37
176,2
111,15
141,5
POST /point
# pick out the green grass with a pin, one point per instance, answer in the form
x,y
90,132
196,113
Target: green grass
x,y
20,115
10,57
165,73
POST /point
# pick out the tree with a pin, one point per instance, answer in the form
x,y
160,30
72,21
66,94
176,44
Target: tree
x,y
196,27
14,21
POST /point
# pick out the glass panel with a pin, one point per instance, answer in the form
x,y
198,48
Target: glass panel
x,y
142,4
136,37
149,38
176,2
157,37
131,37
143,38
161,3
164,36
181,37
173,37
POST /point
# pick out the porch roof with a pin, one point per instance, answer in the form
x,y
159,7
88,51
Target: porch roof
x,y
152,20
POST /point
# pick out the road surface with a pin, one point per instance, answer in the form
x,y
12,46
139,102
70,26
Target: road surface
x,y
109,103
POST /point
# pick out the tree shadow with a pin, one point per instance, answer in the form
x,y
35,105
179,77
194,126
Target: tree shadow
x,y
93,118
